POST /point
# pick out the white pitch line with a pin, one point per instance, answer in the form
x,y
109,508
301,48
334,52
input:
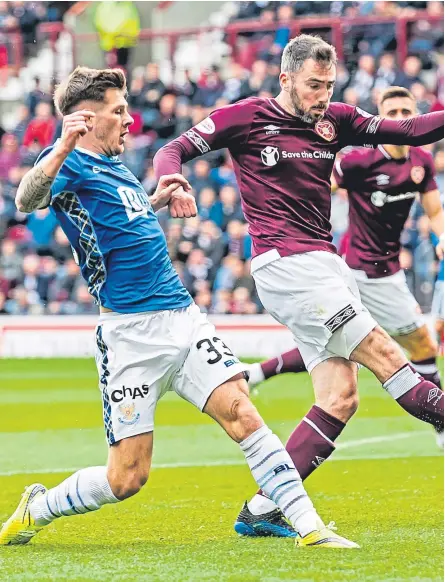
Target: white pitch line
x,y
237,462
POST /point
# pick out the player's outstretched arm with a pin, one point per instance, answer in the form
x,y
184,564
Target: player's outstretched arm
x,y
174,190
415,131
34,189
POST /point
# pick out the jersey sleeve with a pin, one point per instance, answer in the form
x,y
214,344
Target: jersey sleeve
x,y
429,182
345,169
357,127
68,176
227,127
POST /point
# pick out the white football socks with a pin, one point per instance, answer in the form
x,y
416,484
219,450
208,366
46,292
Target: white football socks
x,y
84,491
273,470
256,374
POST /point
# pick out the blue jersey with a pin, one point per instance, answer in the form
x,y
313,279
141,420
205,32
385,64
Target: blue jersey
x,y
116,237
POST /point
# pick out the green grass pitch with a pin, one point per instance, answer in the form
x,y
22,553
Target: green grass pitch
x,y
384,488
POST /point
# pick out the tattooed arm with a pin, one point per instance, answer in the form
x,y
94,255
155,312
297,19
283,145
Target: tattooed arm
x,y
34,189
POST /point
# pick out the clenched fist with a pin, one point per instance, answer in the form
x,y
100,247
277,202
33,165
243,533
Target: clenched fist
x,y
75,125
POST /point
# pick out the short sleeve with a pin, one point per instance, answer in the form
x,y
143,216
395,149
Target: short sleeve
x,y
68,177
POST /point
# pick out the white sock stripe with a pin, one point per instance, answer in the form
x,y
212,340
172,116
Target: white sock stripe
x,y
280,364
270,475
276,498
266,459
402,382
315,427
425,368
294,500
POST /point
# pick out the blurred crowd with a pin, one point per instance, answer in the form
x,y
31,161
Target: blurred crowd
x,y
211,252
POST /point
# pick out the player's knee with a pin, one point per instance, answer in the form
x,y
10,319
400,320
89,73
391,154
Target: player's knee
x,y
244,418
127,481
384,349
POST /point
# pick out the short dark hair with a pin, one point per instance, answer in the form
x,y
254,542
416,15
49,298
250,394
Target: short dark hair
x,y
392,92
85,84
304,47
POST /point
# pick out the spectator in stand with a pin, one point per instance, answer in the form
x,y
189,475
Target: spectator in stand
x,y
223,174
231,207
42,128
23,118
210,88
174,237
221,301
439,167
28,16
3,310
242,303
66,282
210,241
187,87
363,78
232,86
255,81
9,154
134,157
42,224
410,73
285,15
203,300
183,116
10,261
7,20
386,73
196,269
199,176
60,248
36,96
235,239
423,100
227,273
152,90
21,303
209,208
165,122
84,302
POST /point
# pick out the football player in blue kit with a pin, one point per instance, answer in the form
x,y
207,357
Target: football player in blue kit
x,y
151,337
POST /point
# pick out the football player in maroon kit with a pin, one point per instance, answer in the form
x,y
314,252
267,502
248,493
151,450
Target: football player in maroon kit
x,y
382,185
283,152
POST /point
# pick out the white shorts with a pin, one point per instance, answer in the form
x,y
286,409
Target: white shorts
x,y
390,302
315,295
141,356
437,306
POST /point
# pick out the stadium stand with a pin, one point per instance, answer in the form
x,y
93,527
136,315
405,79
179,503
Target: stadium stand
x,y
212,251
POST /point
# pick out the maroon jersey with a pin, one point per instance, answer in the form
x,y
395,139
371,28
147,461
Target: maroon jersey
x,y
283,164
381,192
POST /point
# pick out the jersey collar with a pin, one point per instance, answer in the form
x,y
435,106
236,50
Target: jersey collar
x,y
387,155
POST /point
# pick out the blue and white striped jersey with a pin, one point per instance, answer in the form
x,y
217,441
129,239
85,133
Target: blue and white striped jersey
x,y
116,237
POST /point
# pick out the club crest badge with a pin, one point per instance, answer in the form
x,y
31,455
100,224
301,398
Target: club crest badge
x,y
417,174
325,129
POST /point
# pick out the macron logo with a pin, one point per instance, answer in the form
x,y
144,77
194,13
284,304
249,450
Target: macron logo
x,y
272,130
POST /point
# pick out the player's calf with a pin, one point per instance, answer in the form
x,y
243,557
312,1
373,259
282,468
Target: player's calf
x,y
423,351
413,393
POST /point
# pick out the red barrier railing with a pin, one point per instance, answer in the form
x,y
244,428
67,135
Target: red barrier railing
x,y
338,26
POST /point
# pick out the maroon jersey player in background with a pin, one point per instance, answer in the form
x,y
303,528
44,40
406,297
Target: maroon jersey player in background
x,y
283,151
